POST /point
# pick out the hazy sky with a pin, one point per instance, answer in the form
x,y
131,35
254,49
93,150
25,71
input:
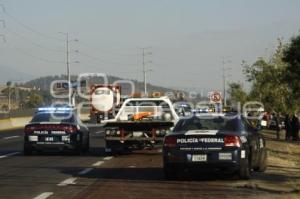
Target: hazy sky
x,y
187,38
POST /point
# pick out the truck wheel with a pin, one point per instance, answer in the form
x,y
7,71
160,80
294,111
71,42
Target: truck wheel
x,y
113,147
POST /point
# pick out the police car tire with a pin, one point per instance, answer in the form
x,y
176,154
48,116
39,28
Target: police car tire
x,y
245,170
262,162
170,173
27,151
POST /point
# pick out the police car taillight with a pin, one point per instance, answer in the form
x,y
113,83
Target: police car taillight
x,y
70,129
29,129
51,127
232,141
170,142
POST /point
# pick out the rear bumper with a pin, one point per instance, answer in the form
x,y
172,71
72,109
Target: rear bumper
x,y
214,159
57,144
51,147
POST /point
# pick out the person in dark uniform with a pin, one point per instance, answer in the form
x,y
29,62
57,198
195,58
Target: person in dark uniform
x,y
288,127
295,127
277,124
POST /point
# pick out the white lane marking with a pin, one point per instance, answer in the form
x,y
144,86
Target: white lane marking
x,y
108,158
43,195
68,181
9,154
85,171
96,164
11,137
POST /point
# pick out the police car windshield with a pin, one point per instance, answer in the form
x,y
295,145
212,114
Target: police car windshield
x,y
207,123
53,117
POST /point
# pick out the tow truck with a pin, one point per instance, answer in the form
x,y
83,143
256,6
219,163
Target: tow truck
x,y
140,122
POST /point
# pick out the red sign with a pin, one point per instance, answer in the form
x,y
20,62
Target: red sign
x,y
215,97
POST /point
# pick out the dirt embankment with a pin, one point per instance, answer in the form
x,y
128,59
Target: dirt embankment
x,y
283,173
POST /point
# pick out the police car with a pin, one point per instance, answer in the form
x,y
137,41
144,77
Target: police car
x,y
214,142
56,128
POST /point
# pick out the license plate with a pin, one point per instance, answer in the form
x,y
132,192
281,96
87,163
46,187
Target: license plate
x,y
199,158
49,139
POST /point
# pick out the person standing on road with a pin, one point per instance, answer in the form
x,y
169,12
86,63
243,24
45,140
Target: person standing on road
x,y
295,127
288,127
277,124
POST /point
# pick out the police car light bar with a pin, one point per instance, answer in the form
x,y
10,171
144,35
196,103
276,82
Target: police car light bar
x,y
55,109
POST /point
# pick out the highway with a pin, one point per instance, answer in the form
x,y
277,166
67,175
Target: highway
x,y
133,176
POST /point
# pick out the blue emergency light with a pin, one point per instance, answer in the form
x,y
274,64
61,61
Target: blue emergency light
x,y
55,109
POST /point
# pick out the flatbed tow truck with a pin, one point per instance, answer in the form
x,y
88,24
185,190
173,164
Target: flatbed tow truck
x,y
140,123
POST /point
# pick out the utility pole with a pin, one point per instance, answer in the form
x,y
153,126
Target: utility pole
x,y
224,84
224,70
145,70
68,67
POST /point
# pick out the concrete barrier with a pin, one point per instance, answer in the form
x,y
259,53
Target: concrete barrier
x,y
13,123
19,122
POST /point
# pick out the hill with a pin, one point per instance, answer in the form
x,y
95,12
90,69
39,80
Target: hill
x,y
43,83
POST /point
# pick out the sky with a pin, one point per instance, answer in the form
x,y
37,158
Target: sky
x,y
186,41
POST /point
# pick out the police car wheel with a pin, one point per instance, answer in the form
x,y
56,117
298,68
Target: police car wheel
x,y
245,170
27,151
170,173
262,162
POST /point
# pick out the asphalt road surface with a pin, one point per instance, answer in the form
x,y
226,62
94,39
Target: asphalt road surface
x,y
133,176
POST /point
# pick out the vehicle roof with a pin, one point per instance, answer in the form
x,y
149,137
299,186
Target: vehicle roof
x,y
212,115
148,99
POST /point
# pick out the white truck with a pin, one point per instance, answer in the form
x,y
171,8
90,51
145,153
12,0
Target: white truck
x,y
140,122
105,101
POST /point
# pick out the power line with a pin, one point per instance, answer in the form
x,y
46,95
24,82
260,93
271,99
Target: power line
x,y
34,56
107,52
16,20
33,43
101,60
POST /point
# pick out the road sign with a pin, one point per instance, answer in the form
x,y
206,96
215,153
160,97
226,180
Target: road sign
x,y
215,97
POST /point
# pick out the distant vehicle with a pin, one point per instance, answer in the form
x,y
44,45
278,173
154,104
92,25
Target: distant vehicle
x,y
214,142
182,108
105,100
55,129
140,122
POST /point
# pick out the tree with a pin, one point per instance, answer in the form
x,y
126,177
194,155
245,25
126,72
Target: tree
x,y
292,58
34,101
237,93
267,81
